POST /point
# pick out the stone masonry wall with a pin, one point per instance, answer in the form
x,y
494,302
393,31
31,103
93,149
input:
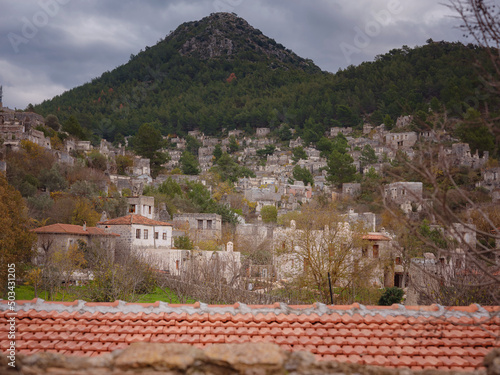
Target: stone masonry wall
x,y
223,359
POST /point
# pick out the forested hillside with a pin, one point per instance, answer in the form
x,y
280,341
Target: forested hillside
x,y
222,73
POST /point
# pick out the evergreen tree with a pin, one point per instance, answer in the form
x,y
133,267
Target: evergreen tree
x,y
368,156
340,168
298,153
148,143
73,127
189,163
233,145
217,152
303,174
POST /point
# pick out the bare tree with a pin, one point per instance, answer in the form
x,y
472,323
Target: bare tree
x,y
323,248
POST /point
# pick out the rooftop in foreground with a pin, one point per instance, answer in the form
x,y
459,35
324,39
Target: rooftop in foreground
x,y
419,337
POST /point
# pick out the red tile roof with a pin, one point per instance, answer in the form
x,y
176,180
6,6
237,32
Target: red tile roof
x,y
134,219
375,237
418,337
73,229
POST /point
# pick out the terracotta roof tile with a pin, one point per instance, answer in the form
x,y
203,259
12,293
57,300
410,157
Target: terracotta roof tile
x,y
134,219
395,336
73,229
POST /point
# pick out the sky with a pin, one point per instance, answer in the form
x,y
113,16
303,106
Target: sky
x,y
50,46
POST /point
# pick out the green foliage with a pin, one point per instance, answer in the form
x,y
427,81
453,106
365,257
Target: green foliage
x,y
192,145
368,156
217,152
229,170
299,153
268,150
340,168
122,163
189,163
170,188
284,133
477,134
148,142
325,146
303,174
183,242
435,236
388,122
73,127
52,122
391,296
52,180
186,92
98,161
233,145
269,214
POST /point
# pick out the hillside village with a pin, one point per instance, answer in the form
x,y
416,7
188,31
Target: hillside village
x,y
150,229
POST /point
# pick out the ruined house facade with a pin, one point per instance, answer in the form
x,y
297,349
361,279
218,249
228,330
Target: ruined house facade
x,y
408,195
199,226
142,205
62,237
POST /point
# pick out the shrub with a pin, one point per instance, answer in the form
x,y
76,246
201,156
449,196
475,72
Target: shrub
x,y
391,296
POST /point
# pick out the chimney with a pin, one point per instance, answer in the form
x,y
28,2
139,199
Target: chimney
x,y
84,226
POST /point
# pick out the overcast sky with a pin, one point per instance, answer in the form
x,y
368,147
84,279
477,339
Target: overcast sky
x,y
50,46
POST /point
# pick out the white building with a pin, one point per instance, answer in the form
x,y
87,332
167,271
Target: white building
x,y
138,232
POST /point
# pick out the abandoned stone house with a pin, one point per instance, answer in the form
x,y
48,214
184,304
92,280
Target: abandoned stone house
x,y
408,195
336,130
429,273
401,141
14,131
225,265
235,133
296,142
199,226
491,179
351,189
460,155
61,237
262,132
367,128
140,167
142,205
138,233
295,249
71,145
403,121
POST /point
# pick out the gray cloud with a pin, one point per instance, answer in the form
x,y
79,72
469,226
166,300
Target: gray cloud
x,y
49,46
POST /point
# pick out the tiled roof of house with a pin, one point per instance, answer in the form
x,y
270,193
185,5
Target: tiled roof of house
x,y
375,237
134,219
73,229
419,337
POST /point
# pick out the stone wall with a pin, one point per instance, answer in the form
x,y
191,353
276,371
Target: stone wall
x,y
261,358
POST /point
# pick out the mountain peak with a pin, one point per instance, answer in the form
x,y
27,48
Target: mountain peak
x,y
225,35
